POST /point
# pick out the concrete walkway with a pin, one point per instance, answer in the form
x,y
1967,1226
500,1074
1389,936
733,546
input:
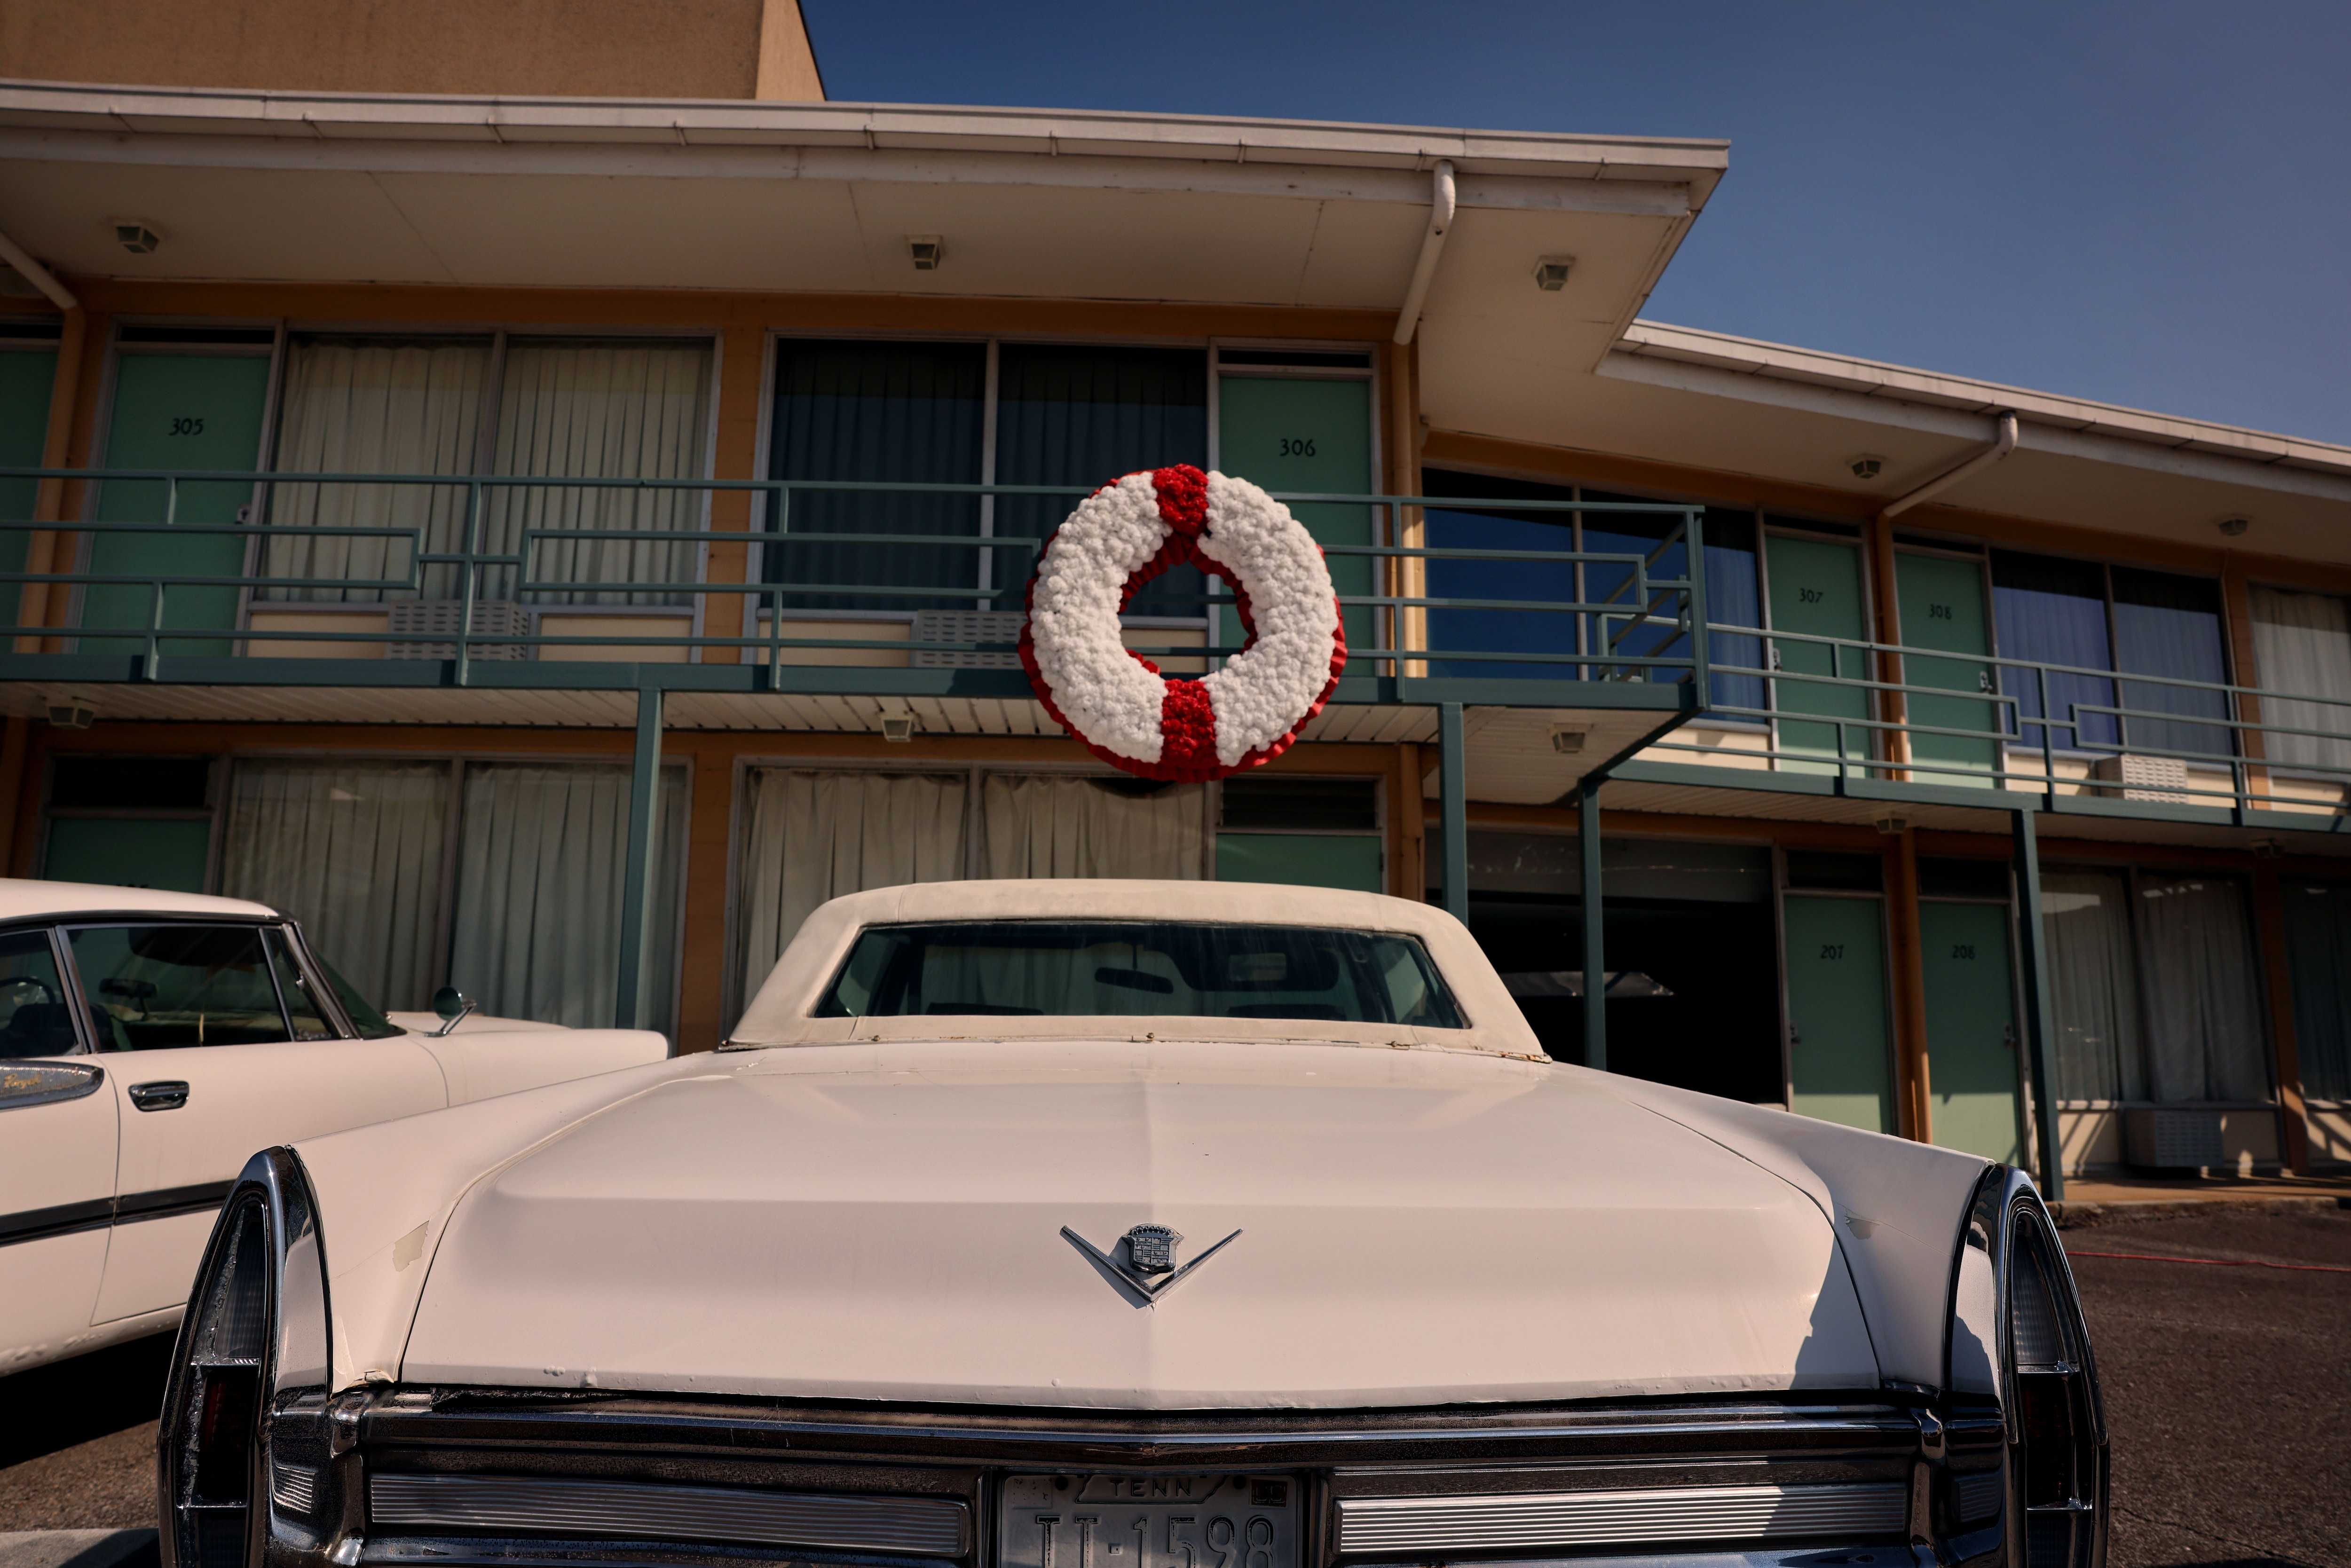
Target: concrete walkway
x,y
2107,1200
78,1548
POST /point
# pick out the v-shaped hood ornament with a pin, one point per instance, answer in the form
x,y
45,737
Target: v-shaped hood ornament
x,y
1144,1260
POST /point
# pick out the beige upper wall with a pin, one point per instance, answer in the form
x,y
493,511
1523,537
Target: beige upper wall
x,y
610,48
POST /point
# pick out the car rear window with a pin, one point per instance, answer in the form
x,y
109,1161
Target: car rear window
x,y
1079,968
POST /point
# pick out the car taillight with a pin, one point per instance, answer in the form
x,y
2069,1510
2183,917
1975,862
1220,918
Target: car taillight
x,y
210,1460
2053,1440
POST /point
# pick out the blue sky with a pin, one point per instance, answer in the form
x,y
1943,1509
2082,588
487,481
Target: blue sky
x,y
2147,203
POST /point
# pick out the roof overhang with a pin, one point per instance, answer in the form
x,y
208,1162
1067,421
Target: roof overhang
x,y
821,198
1797,417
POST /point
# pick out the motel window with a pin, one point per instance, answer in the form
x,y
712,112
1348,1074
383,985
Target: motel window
x,y
2318,942
2301,643
809,834
886,411
2123,619
501,406
2154,988
500,878
1487,520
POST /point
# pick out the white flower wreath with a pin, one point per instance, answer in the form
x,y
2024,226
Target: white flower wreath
x,y
1117,703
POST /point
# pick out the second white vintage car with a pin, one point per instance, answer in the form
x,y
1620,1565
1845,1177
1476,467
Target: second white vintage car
x,y
150,1042
1129,1225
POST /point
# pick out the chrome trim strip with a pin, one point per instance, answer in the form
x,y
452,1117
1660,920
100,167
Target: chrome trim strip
x,y
915,1526
1649,1515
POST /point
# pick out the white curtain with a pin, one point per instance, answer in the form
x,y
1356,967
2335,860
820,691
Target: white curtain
x,y
2092,983
618,409
540,860
371,406
353,851
2302,643
1067,825
2205,1040
816,833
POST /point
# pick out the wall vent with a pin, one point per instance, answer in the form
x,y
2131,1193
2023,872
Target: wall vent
x,y
421,618
2128,775
966,626
2170,1138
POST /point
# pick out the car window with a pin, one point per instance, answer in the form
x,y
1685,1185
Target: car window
x,y
365,1016
152,987
1070,968
310,1020
35,1018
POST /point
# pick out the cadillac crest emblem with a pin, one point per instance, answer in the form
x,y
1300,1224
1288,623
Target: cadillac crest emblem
x,y
1142,1261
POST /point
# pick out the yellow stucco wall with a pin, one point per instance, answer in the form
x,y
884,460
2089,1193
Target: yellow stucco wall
x,y
613,48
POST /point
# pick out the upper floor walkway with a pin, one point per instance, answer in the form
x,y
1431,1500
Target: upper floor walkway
x,y
829,604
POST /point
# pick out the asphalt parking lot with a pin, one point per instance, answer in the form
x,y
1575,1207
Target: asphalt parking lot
x,y
2227,1387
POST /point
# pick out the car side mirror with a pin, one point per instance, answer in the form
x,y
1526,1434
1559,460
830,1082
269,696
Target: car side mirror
x,y
453,1005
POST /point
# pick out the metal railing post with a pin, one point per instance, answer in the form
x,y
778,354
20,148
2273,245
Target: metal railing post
x,y
628,999
2040,1017
1595,962
1453,810
1701,642
467,588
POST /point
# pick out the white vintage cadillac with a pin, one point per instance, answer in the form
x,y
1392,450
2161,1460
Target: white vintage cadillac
x,y
149,1044
1128,1225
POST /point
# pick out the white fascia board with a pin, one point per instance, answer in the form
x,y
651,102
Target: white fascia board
x,y
2080,441
1695,166
652,159
1892,386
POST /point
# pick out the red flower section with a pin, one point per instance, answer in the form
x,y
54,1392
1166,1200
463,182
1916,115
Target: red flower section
x,y
1182,493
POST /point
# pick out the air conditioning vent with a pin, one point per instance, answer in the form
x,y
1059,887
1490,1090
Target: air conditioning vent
x,y
965,626
2131,776
2169,1138
413,619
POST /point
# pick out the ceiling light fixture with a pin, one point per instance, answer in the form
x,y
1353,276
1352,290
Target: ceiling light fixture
x,y
136,236
927,250
1865,465
2234,527
1550,272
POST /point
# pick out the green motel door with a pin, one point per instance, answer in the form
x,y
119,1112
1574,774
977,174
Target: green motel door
x,y
1972,1079
182,411
1840,1055
1816,591
1287,434
1942,605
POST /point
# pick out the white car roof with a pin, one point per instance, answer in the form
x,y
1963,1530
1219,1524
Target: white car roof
x,y
779,1014
25,900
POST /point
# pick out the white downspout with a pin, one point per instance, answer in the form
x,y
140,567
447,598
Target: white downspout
x,y
1432,245
2002,445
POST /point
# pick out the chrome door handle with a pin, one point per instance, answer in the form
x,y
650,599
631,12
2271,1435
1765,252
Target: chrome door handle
x,y
169,1094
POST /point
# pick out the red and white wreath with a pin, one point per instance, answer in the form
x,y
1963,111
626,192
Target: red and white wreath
x,y
1117,703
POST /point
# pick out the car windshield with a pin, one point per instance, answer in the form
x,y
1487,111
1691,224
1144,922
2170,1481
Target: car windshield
x,y
367,1019
1072,968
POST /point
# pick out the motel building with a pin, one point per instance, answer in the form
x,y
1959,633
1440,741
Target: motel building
x,y
547,499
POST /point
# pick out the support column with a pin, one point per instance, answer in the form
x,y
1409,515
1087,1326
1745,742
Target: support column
x,y
2277,976
631,1005
1595,956
1911,1082
1453,810
2040,1016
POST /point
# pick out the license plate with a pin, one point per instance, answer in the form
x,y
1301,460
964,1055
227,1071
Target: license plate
x,y
1081,1520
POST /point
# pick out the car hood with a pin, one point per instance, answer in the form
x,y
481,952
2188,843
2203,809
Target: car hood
x,y
886,1221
